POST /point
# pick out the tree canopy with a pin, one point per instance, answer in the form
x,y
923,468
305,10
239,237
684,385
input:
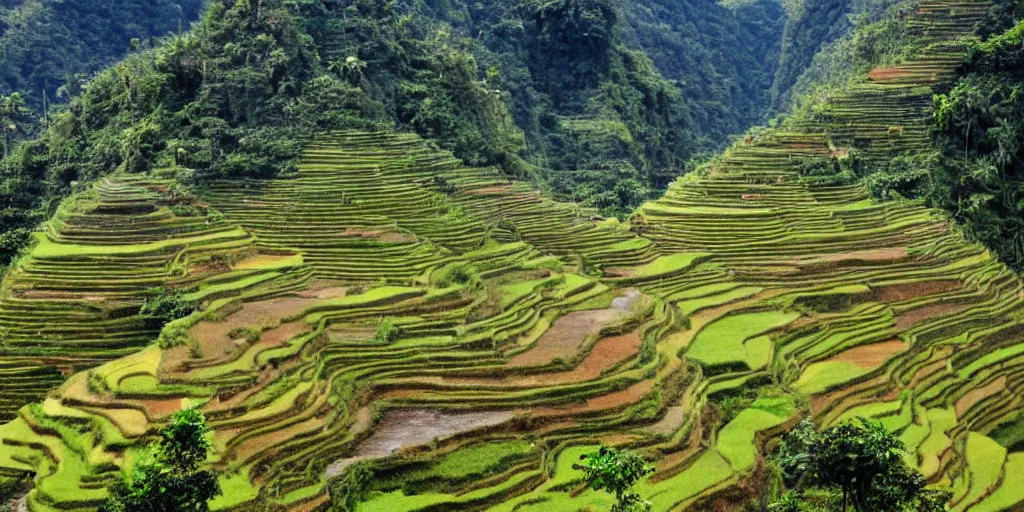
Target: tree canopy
x,y
860,462
172,481
617,471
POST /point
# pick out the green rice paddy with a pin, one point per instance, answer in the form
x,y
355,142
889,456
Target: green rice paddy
x,y
468,343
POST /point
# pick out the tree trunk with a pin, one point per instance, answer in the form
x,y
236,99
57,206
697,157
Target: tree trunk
x,y
844,500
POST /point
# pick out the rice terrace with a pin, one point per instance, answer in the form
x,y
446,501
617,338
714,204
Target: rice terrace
x,y
442,337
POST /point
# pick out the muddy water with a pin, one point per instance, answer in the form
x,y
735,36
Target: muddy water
x,y
408,428
565,337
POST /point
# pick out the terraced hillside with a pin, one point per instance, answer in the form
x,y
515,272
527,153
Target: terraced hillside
x,y
888,111
74,301
465,339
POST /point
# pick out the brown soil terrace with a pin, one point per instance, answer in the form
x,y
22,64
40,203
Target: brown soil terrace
x,y
565,337
871,356
976,395
490,191
902,292
884,74
912,318
871,255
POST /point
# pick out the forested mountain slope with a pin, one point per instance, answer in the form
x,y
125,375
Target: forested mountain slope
x,y
380,327
597,101
48,46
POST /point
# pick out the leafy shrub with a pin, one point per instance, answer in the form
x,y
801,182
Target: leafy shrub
x,y
387,332
167,304
172,480
174,335
185,210
350,490
454,274
10,487
249,334
616,471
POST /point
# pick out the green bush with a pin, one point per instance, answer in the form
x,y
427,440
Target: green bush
x,y
249,334
454,274
166,304
387,332
10,487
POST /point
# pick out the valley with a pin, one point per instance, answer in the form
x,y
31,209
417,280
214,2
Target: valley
x,y
460,339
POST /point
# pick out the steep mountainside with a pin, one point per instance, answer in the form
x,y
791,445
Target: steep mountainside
x,y
382,328
51,45
601,123
723,59
560,93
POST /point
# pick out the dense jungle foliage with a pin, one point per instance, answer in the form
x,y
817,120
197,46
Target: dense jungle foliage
x,y
723,59
978,175
49,47
602,102
237,95
613,97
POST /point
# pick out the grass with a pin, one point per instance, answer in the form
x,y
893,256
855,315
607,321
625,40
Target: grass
x,y
940,422
237,489
49,249
736,441
759,352
474,460
478,458
398,501
278,406
381,295
1011,432
985,460
669,265
1010,491
723,342
512,293
708,470
331,377
691,306
819,377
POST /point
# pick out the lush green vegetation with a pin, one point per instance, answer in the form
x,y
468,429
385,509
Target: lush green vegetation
x,y
236,96
861,464
370,323
563,94
617,471
602,125
723,56
828,42
980,121
172,480
49,49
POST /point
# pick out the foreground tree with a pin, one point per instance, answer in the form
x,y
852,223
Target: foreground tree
x,y
172,481
861,463
616,471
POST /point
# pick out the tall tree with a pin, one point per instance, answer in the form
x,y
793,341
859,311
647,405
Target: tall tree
x,y
861,462
172,481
